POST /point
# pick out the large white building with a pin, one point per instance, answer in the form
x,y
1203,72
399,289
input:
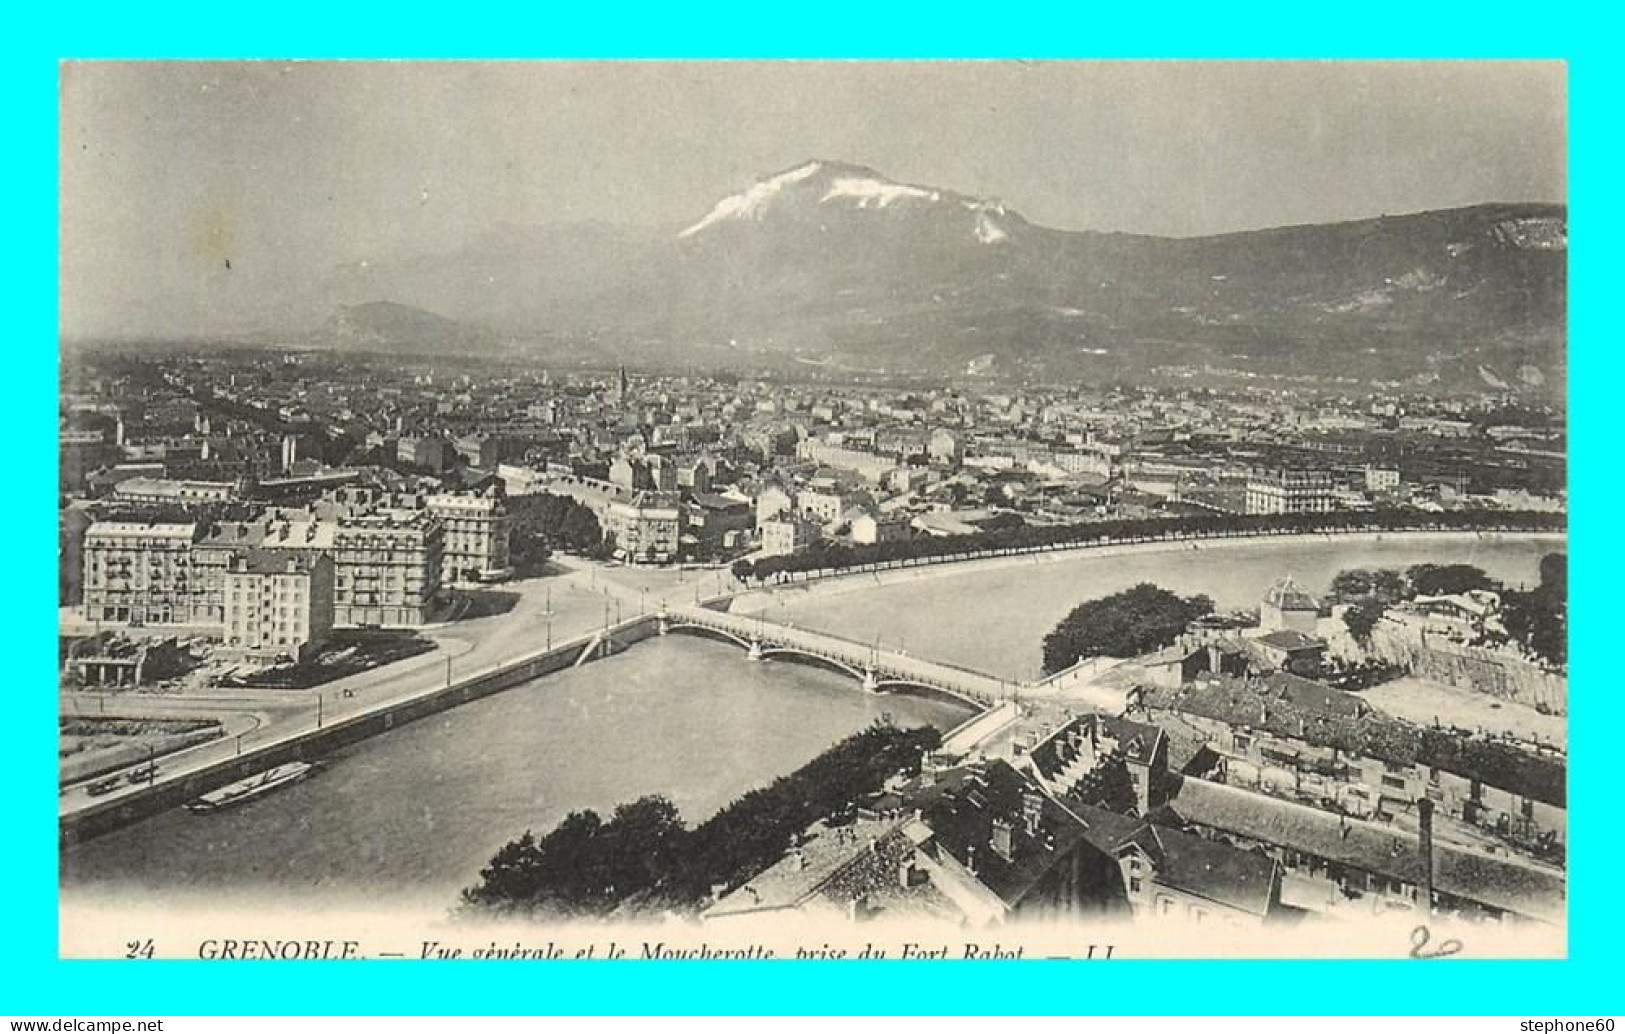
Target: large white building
x,y
278,605
477,533
387,566
138,574
646,527
1290,491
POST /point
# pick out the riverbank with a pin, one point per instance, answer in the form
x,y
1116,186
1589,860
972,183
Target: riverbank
x,y
186,775
991,615
754,600
423,806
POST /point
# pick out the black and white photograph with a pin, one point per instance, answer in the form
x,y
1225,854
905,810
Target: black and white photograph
x,y
813,509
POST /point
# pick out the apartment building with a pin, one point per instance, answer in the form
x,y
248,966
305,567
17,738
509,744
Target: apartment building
x,y
387,567
477,533
1290,491
139,573
278,605
646,527
784,536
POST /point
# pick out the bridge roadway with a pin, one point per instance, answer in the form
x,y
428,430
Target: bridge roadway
x,y
878,670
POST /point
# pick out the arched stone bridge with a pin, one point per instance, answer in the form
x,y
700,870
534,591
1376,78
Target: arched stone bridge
x,y
877,670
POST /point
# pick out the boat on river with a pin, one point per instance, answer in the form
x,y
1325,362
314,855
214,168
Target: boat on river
x,y
245,790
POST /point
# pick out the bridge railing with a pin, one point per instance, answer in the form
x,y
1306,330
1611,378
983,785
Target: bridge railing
x,y
889,666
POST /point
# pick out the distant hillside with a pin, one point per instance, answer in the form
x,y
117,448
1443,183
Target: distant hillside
x,y
834,264
391,327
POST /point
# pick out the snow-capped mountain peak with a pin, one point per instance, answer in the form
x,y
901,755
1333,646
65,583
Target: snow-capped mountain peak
x,y
871,192
752,202
821,185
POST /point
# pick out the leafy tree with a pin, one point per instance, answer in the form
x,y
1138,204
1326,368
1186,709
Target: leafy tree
x,y
585,866
545,522
1125,624
1388,585
1554,574
1362,616
1385,585
742,569
1447,579
1539,618
590,867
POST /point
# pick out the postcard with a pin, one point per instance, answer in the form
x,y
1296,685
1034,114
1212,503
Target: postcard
x,y
847,510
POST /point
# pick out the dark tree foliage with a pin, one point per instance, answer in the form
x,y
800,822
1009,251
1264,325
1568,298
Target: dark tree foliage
x,y
1554,574
1539,618
1124,624
1382,584
1447,579
543,523
1362,616
589,867
70,544
585,866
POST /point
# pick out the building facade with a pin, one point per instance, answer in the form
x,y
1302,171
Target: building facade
x,y
387,567
278,605
1290,491
870,529
139,574
167,491
477,533
785,536
646,528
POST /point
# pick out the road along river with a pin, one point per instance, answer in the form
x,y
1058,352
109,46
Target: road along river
x,y
417,811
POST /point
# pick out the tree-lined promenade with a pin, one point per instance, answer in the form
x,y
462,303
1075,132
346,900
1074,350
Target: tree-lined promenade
x,y
830,559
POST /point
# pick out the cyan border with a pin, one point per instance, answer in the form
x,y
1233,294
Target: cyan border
x,y
33,981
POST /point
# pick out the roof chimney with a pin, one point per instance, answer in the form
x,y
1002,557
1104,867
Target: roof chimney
x,y
1032,812
909,875
1003,839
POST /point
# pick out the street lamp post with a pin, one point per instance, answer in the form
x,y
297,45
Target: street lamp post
x,y
319,698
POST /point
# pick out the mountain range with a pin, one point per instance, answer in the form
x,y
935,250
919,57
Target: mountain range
x,y
834,265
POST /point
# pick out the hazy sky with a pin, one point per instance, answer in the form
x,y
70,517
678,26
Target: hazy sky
x,y
168,168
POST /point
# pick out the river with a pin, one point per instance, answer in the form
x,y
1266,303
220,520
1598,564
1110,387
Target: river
x,y
993,616
418,811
